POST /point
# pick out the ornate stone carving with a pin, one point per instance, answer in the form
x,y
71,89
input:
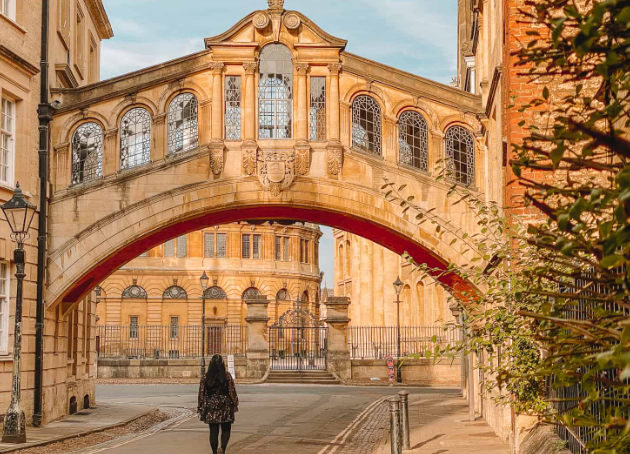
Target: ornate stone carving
x,y
302,158
276,5
276,170
334,159
249,158
301,68
261,20
250,67
217,67
292,21
216,161
334,68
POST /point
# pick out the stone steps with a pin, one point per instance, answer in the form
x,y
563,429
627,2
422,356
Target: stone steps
x,y
302,377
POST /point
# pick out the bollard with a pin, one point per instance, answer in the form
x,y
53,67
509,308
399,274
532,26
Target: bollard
x,y
394,423
404,419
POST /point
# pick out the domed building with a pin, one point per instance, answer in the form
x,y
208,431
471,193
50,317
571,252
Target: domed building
x,y
276,260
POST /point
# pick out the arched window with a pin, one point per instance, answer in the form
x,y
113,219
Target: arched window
x,y
282,295
348,261
183,123
87,153
275,93
340,260
366,124
460,153
135,138
413,140
251,293
134,291
175,292
215,293
304,298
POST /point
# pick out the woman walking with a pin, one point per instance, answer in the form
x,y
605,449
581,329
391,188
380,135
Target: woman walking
x,y
217,403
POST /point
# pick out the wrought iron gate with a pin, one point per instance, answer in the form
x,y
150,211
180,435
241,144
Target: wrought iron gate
x,y
298,341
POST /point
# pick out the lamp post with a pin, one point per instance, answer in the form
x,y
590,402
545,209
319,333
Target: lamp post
x,y
19,213
203,280
398,285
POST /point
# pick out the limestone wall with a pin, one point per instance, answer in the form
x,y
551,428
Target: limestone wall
x,y
159,368
417,371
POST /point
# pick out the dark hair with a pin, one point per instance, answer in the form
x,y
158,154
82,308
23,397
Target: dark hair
x,y
216,375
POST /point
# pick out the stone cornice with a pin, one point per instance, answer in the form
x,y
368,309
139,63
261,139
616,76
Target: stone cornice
x,y
99,16
13,58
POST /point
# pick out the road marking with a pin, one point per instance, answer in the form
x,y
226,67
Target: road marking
x,y
344,434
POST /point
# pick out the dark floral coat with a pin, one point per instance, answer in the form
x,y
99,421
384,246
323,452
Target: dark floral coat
x,y
216,405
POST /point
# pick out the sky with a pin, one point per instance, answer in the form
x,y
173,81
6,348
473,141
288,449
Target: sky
x,y
417,36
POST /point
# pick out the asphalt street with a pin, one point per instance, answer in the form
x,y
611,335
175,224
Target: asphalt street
x,y
272,418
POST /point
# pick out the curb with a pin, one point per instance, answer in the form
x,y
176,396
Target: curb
x,y
77,435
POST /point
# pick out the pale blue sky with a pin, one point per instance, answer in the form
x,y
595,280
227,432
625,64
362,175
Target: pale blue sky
x,y
418,36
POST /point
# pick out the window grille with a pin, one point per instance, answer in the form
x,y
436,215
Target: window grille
x,y
7,8
7,140
4,307
251,293
175,292
169,248
318,109
135,138
413,140
181,246
366,125
134,291
256,246
282,295
460,153
183,123
174,327
221,245
209,245
87,153
232,108
285,248
133,327
278,248
275,93
306,245
245,247
215,293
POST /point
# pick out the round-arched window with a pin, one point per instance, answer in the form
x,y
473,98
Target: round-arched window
x,y
135,138
183,129
460,154
275,93
366,124
413,140
87,153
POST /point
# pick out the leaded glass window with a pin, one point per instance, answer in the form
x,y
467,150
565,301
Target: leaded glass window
x,y
175,292
275,93
246,246
413,140
174,327
7,140
183,123
256,246
169,248
251,293
282,295
135,138
278,248
318,109
209,245
133,327
366,124
460,153
182,246
221,245
134,291
232,108
87,153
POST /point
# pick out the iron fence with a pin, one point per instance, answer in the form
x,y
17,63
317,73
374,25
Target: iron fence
x,y
378,342
298,347
169,342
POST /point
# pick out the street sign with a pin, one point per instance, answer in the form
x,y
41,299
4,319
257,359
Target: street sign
x,y
231,369
390,369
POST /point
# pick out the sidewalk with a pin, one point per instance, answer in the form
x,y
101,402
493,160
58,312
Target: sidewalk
x,y
93,419
439,424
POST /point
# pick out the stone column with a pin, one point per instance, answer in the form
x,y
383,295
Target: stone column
x,y
257,339
217,101
205,121
110,153
337,320
250,146
159,148
302,113
335,149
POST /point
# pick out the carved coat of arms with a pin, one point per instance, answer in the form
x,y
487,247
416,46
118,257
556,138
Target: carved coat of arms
x,y
276,170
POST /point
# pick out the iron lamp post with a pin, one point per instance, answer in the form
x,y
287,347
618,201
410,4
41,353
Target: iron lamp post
x,y
19,213
203,280
398,286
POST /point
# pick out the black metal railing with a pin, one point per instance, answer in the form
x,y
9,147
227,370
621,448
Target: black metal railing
x,y
172,342
378,342
298,347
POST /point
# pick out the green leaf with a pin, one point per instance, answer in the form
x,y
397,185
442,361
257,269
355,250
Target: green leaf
x,y
612,261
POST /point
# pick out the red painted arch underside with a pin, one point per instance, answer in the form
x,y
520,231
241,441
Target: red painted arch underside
x,y
377,233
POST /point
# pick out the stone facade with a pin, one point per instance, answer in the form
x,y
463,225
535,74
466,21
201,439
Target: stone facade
x,y
74,53
249,261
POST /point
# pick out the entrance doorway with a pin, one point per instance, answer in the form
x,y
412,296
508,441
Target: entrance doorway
x,y
298,341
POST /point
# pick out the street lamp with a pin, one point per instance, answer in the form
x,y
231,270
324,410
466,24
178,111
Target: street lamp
x,y
19,213
398,286
203,280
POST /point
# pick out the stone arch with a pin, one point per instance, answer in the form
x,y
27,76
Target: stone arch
x,y
175,292
456,120
81,260
170,93
362,88
251,292
127,104
134,291
215,293
72,123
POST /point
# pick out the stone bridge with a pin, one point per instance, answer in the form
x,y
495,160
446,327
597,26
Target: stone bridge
x,y
273,120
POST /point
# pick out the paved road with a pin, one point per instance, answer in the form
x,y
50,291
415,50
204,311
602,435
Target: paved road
x,y
278,419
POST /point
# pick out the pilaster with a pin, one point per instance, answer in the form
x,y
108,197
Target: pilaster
x,y
110,152
257,341
217,100
337,320
158,150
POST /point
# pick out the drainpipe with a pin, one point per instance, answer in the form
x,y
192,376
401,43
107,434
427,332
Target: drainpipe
x,y
44,112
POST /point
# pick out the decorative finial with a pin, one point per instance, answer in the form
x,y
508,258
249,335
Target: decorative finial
x,y
276,5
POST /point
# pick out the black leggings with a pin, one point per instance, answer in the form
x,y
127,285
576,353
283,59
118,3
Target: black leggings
x,y
226,430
